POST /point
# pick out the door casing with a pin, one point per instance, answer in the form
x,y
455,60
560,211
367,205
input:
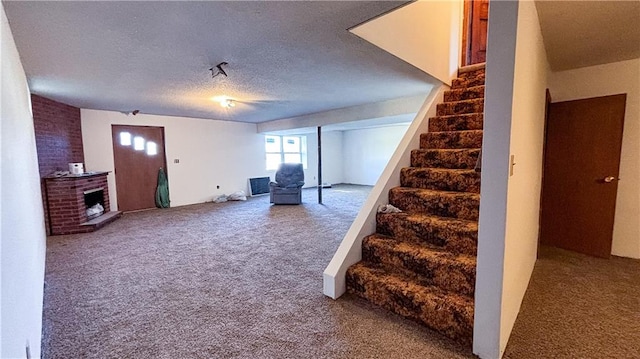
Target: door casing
x,y
474,32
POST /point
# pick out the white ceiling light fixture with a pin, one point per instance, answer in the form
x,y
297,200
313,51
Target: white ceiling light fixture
x,y
224,101
227,103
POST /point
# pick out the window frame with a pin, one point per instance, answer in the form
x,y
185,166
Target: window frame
x,y
302,150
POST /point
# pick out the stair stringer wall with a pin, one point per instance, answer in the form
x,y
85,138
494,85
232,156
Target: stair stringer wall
x,y
350,250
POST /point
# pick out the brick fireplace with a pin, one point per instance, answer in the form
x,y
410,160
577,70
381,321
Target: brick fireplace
x,y
69,197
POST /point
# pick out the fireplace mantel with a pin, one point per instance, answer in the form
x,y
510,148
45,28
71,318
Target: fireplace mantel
x,y
65,198
72,177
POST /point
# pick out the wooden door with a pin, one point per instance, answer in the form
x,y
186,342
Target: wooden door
x,y
581,164
476,24
138,154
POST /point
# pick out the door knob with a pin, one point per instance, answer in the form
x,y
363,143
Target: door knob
x,y
609,179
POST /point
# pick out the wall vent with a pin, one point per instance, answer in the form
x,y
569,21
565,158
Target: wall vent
x,y
259,186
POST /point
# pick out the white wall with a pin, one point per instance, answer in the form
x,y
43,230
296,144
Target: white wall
x,y
603,80
211,153
503,23
23,241
426,34
527,139
366,152
332,161
332,156
517,72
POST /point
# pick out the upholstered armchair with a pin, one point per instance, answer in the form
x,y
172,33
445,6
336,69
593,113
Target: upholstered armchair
x,y
287,189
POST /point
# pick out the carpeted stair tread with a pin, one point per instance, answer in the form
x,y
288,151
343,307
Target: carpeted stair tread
x,y
451,139
464,94
461,205
471,121
458,180
426,265
469,75
452,234
463,158
475,105
446,312
470,81
471,70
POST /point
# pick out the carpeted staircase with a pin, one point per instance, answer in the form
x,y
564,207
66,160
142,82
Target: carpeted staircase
x,y
421,263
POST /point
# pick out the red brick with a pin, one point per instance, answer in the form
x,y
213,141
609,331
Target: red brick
x,y
66,206
58,134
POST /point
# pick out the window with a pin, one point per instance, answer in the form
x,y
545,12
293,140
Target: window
x,y
152,148
125,138
138,143
288,149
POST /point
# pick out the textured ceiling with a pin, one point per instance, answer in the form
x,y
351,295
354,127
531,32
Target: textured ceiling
x,y
587,33
285,58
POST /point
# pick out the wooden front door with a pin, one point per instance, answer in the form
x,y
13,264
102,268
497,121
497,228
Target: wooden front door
x,y
581,164
476,23
138,154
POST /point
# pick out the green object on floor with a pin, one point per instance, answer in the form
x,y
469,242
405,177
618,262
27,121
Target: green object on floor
x,y
162,191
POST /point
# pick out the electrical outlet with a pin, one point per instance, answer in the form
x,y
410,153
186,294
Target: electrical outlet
x,y
176,160
218,187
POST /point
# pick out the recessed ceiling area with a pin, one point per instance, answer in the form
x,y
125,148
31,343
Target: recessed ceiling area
x,y
587,33
285,59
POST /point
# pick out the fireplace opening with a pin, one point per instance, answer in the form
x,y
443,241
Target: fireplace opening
x,y
94,200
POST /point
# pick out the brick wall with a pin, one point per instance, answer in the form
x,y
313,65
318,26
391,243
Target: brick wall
x,y
58,138
58,134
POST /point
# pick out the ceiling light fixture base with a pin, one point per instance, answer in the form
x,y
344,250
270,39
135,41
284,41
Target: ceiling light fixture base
x,y
218,70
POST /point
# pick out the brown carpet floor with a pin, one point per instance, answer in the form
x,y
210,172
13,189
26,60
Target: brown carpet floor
x,y
230,280
244,280
578,306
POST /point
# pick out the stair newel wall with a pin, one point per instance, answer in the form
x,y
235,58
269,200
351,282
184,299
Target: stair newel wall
x,y
350,250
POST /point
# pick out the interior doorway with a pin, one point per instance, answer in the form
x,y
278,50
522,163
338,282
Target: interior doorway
x,y
138,154
583,141
474,35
